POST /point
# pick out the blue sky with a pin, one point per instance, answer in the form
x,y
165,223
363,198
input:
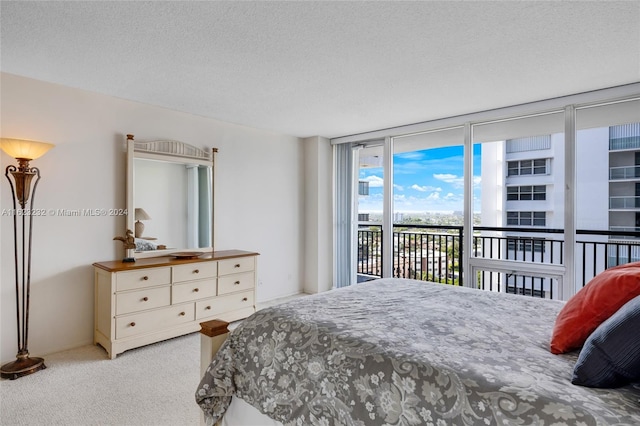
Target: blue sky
x,y
424,181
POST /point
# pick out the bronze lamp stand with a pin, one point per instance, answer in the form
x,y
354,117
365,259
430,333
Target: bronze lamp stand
x,y
24,151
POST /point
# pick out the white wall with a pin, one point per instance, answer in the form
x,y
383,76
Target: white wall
x,y
318,271
592,179
159,188
259,201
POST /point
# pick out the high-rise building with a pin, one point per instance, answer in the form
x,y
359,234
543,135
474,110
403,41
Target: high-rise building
x,y
523,187
624,187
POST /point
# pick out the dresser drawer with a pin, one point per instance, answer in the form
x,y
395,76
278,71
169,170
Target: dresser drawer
x,y
156,320
147,277
221,304
193,290
141,300
234,266
195,271
236,282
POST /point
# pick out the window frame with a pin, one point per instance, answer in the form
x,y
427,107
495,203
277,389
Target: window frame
x,y
534,167
527,218
519,193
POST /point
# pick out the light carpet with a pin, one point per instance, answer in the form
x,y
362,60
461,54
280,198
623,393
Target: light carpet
x,y
151,385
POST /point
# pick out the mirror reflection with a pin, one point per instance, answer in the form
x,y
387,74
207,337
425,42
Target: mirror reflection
x,y
172,205
170,200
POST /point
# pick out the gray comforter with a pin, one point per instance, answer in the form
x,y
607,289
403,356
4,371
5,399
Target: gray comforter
x,y
402,352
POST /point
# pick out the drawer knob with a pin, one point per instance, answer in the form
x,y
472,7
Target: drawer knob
x,y
144,299
244,299
236,283
182,314
196,271
145,278
133,324
208,308
196,289
237,265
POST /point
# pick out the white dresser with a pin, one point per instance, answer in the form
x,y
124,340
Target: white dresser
x,y
154,299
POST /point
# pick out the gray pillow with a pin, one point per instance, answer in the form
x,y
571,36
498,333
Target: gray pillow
x,y
610,356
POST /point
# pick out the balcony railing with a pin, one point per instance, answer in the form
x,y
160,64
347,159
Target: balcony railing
x,y
624,202
625,232
623,143
434,253
624,172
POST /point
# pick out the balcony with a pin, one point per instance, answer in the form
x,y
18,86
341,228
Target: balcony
x,y
434,253
624,173
625,143
624,203
625,232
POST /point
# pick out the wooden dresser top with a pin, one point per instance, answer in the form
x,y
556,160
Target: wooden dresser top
x,y
154,262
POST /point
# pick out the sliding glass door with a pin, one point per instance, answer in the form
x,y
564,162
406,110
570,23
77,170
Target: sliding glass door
x,y
533,204
369,211
607,187
359,207
520,205
428,205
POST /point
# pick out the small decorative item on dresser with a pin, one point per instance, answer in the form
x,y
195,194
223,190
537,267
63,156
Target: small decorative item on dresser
x,y
187,254
129,245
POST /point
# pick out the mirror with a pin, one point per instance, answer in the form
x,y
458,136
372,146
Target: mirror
x,y
169,197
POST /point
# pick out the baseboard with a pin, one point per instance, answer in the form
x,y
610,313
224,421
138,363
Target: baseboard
x,y
279,298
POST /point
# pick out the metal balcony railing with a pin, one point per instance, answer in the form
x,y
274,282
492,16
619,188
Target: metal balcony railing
x,y
434,253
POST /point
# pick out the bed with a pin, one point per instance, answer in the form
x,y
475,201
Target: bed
x,y
405,352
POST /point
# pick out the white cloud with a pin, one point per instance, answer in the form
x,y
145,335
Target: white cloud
x,y
433,202
374,181
425,188
455,180
412,155
446,177
433,196
378,182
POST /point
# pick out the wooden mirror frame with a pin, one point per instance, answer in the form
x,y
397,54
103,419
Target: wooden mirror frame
x,y
170,151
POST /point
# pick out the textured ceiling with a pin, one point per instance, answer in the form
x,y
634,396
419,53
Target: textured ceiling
x,y
325,68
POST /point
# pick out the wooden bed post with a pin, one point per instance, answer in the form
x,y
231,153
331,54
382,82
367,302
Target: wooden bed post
x,y
213,333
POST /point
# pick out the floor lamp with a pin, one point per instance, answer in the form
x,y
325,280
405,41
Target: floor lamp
x,y
23,151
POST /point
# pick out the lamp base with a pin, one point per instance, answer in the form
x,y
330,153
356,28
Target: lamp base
x,y
22,366
139,228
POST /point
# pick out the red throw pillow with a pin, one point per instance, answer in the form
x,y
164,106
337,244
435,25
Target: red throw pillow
x,y
593,304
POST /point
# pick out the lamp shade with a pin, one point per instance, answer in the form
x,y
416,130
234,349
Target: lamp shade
x,y
21,148
140,214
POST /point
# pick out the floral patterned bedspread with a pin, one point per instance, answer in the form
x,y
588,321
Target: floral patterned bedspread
x,y
403,352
